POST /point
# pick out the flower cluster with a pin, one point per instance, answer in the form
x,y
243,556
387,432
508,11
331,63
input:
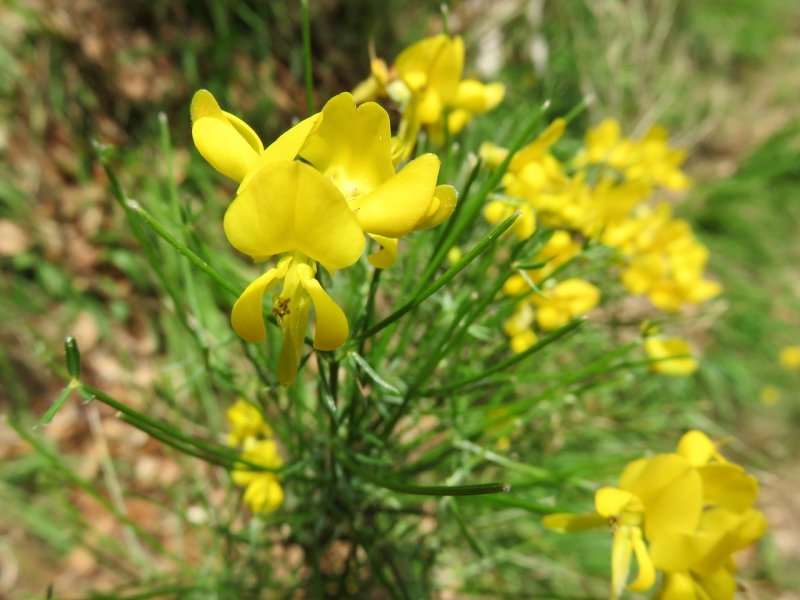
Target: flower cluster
x,y
602,195
263,492
311,196
425,81
684,514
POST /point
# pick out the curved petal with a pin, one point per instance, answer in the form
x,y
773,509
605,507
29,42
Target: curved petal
x,y
414,63
429,111
679,551
476,98
567,523
286,147
247,315
727,485
631,472
331,328
351,146
448,198
610,501
672,494
385,257
205,105
223,147
717,585
290,206
647,573
677,586
395,207
621,554
446,70
250,136
695,446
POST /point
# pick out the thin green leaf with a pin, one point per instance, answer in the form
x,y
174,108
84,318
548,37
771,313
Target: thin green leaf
x,y
56,406
359,360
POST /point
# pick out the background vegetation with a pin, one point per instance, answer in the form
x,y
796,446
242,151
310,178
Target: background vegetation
x,y
83,494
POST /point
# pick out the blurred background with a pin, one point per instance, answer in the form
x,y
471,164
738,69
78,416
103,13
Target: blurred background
x,y
722,75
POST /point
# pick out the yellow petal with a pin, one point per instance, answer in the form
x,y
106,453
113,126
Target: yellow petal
x,y
247,317
264,494
610,502
550,317
331,329
458,119
286,147
448,198
250,136
290,206
385,257
696,447
719,585
621,554
395,207
727,485
671,491
523,341
446,70
631,472
672,551
567,523
351,146
205,105
429,112
414,63
367,90
678,586
293,329
647,573
223,147
477,98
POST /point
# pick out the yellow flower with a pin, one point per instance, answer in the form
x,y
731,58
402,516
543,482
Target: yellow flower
x,y
498,210
289,207
661,349
693,508
518,328
699,564
472,98
246,422
263,493
431,69
565,301
790,358
558,250
231,145
654,497
351,148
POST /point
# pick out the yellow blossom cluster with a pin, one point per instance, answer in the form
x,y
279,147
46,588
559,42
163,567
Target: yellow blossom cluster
x,y
263,492
311,196
604,194
426,82
684,513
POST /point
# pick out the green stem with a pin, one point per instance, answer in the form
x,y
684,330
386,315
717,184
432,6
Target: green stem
x,y
487,242
473,206
541,344
425,490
